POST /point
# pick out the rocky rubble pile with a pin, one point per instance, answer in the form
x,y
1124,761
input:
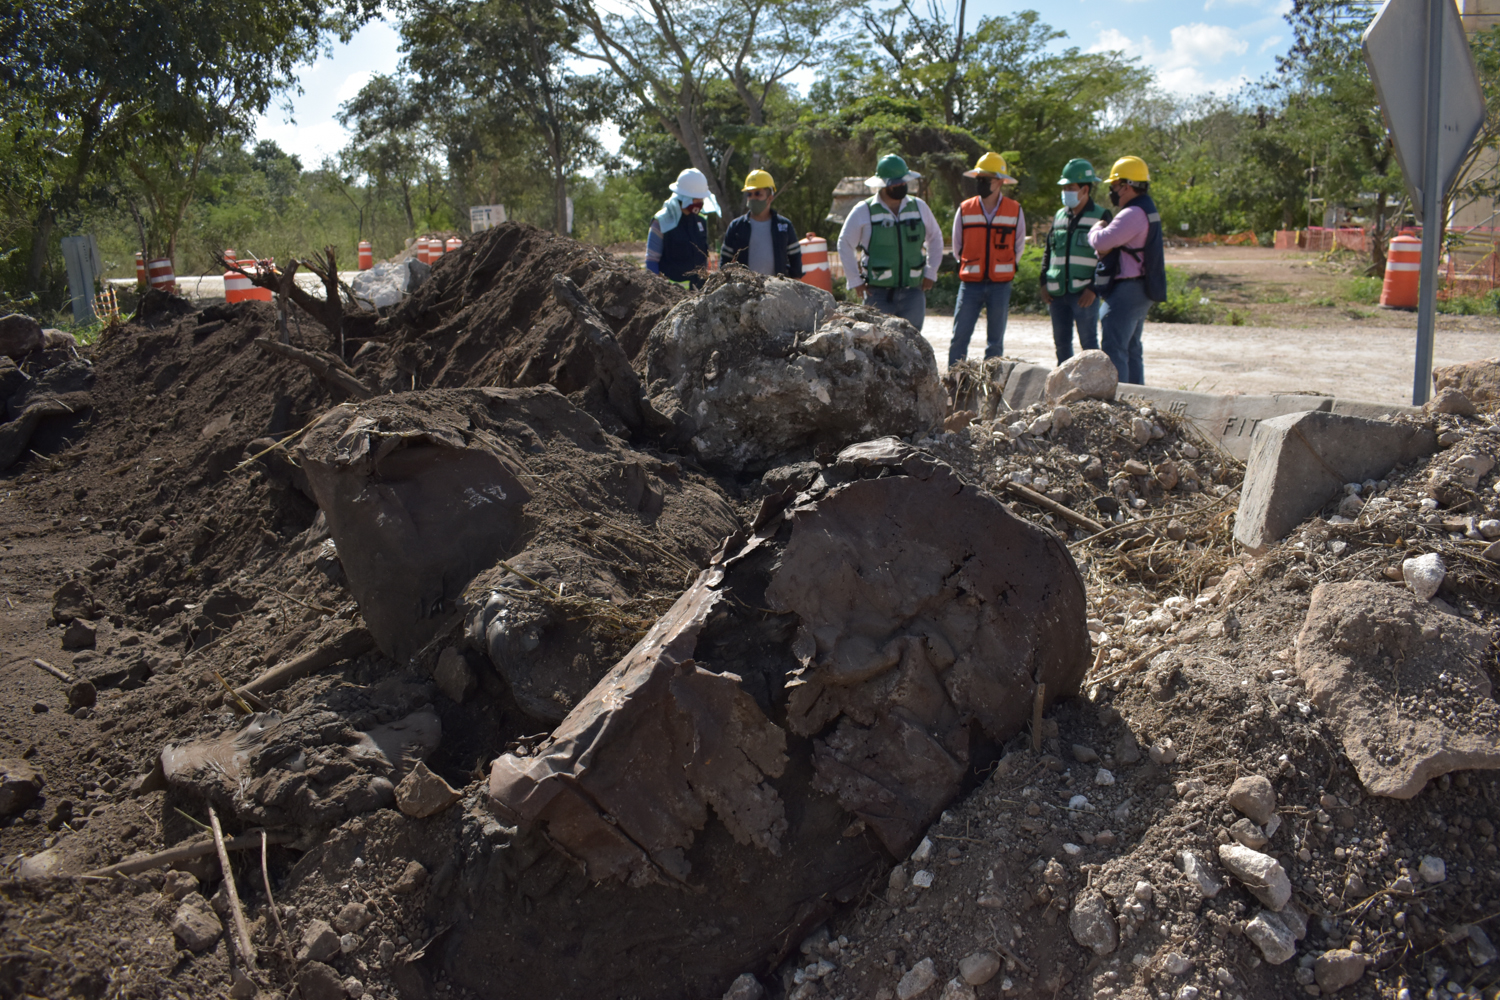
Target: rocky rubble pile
x,y
674,676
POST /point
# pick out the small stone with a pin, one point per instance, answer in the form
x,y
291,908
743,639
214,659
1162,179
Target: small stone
x,y
1176,530
453,675
422,793
1450,400
1248,833
1177,964
918,980
1062,417
1338,968
922,880
1354,886
353,988
1481,948
319,942
1260,873
352,918
1489,528
1432,869
1166,476
83,694
957,989
79,635
745,987
1140,429
316,981
1194,867
1268,933
411,879
1254,796
1143,891
1424,574
923,851
179,885
1040,425
195,925
1092,925
1351,505
979,967
1187,993
1084,755
1164,752
20,784
1135,467
898,879
349,943
243,987
1104,777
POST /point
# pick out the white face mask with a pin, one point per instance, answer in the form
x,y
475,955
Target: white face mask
x,y
1070,199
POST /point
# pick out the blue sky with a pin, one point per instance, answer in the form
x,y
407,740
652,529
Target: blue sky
x,y
1195,46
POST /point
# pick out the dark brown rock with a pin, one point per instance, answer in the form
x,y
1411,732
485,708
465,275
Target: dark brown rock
x,y
20,784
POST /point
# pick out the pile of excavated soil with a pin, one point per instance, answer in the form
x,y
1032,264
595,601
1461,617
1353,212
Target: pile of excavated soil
x,y
189,567
487,315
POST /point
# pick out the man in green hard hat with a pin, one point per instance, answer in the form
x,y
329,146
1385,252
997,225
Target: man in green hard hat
x,y
891,244
1068,261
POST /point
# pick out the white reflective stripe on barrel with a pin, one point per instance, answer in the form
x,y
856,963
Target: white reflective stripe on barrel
x,y
1402,266
816,267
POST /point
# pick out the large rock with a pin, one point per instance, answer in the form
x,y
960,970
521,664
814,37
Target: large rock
x,y
20,784
838,669
20,335
1401,683
755,371
1298,462
1479,380
1086,375
457,503
309,768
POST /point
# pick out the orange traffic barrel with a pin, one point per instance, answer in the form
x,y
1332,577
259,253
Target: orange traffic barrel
x,y
434,249
159,274
250,293
453,244
424,252
235,286
366,255
140,268
815,270
1403,267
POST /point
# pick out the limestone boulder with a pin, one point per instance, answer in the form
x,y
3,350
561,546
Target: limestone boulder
x,y
1401,683
1479,380
757,372
1086,375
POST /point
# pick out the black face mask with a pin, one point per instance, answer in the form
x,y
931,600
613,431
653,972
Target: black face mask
x,y
896,191
984,185
1114,197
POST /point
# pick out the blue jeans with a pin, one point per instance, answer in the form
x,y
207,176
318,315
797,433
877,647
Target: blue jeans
x,y
1066,312
994,298
1123,320
908,303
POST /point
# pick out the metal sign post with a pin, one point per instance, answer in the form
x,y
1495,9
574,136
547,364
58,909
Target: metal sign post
x,y
1432,205
1429,91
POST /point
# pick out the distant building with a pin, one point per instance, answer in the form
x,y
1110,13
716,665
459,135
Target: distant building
x,y
852,190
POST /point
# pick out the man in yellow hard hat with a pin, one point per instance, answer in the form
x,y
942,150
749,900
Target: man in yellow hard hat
x,y
1132,271
762,240
989,233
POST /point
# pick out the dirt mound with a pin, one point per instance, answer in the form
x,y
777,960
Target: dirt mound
x,y
487,315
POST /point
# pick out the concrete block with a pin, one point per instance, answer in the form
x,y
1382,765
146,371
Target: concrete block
x,y
1373,411
1224,420
1299,461
1025,384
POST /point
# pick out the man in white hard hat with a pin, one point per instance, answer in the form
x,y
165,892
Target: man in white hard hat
x,y
891,244
677,245
989,233
761,239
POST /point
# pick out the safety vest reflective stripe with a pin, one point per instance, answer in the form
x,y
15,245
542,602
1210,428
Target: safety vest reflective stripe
x,y
1005,220
1154,217
974,220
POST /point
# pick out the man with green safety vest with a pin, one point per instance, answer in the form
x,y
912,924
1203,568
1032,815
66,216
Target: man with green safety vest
x,y
891,245
1068,261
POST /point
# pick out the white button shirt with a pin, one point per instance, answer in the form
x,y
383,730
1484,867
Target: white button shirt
x,y
856,235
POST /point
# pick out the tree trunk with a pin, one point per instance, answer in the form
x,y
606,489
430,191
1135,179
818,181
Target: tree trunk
x,y
1377,237
41,238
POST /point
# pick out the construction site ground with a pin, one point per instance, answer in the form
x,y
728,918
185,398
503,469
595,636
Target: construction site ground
x,y
201,568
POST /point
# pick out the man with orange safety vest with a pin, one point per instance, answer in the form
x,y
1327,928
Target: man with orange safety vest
x,y
989,233
891,244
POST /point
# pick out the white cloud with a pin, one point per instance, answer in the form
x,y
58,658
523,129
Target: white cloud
x,y
352,85
1179,67
1269,43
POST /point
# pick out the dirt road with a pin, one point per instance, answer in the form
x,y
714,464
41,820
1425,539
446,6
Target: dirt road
x,y
1303,345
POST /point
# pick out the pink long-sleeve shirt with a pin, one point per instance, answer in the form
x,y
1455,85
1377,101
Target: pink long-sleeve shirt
x,y
1127,229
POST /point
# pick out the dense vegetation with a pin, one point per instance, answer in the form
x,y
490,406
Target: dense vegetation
x,y
138,130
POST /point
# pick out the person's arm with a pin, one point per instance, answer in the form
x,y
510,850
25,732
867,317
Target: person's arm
x,y
793,252
856,233
731,250
1020,232
1128,226
1046,259
653,247
958,230
934,244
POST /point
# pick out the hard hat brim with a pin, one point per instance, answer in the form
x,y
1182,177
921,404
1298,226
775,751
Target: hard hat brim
x,y
1002,178
877,182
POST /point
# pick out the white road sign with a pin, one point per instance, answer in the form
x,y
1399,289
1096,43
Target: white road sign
x,y
1396,48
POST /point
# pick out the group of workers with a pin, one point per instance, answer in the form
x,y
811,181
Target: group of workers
x,y
1101,267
